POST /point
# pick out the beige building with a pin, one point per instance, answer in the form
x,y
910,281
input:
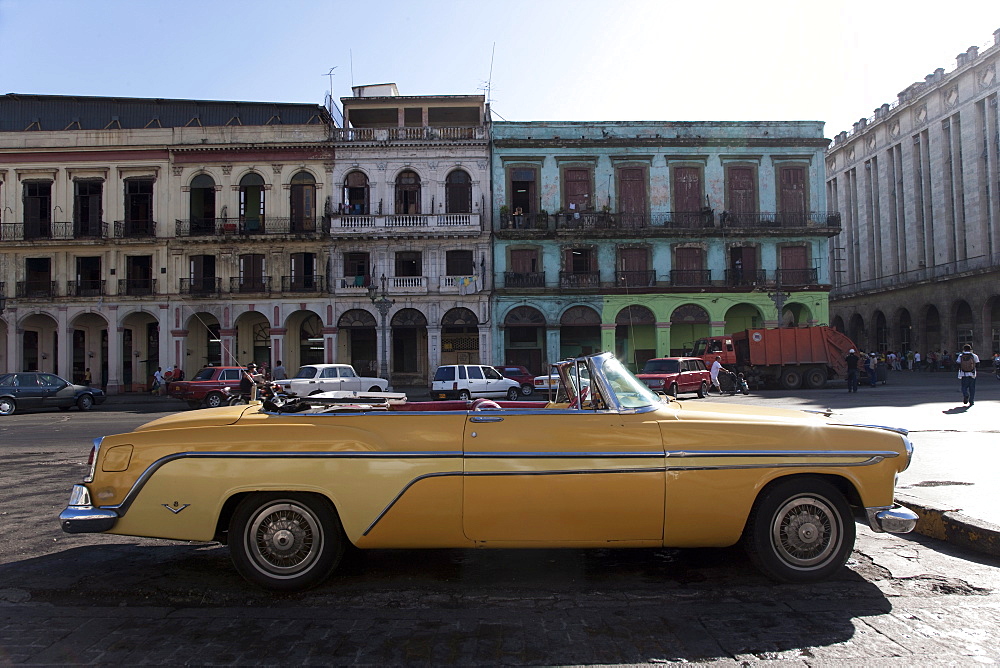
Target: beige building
x,y
917,265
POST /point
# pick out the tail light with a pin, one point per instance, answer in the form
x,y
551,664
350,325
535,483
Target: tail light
x,y
92,460
454,386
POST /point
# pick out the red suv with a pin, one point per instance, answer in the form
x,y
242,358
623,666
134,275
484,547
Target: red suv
x,y
205,389
521,375
673,375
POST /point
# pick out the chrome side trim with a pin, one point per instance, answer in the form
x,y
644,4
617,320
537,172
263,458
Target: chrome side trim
x,y
782,453
891,519
896,430
797,465
442,474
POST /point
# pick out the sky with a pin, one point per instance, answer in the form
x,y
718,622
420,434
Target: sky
x,y
541,60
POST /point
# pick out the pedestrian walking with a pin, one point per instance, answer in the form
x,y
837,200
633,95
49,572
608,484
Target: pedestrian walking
x,y
852,370
158,381
278,372
967,362
716,368
916,361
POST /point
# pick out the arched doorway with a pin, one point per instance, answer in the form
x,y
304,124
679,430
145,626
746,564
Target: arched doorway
x,y
635,336
458,192
579,332
310,340
964,325
204,342
356,194
688,323
904,332
838,324
302,202
39,344
252,194
742,316
357,341
795,314
932,328
407,193
881,332
202,201
856,330
409,348
993,317
89,349
524,339
253,338
459,337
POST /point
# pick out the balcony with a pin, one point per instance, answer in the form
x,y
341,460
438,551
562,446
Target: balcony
x,y
58,231
407,285
401,225
767,219
352,285
689,220
135,229
788,278
201,286
86,288
137,287
367,135
259,285
635,279
602,221
524,221
691,277
521,280
310,284
579,280
35,289
745,278
242,227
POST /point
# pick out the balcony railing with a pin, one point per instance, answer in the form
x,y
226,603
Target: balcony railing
x,y
137,287
303,283
35,289
691,277
361,225
86,288
792,277
689,220
645,278
601,221
745,278
135,229
524,221
525,279
244,286
579,280
205,286
409,134
407,285
37,230
223,227
90,229
766,219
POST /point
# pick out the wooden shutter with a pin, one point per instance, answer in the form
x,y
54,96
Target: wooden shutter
x,y
687,189
794,257
689,258
634,259
524,261
742,190
632,190
792,199
578,195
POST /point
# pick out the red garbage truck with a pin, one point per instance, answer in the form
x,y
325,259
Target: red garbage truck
x,y
789,357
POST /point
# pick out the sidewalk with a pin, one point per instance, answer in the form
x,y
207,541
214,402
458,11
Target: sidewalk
x,y
951,483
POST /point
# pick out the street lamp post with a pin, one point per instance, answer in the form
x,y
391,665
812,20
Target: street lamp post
x,y
382,302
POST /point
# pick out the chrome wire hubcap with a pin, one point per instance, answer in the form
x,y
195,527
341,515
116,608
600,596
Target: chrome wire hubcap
x,y
806,531
284,539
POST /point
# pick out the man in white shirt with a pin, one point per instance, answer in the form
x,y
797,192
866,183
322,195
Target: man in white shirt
x,y
716,368
967,361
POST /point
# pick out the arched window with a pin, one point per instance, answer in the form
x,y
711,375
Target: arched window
x,y
303,202
407,193
356,201
458,192
252,201
202,205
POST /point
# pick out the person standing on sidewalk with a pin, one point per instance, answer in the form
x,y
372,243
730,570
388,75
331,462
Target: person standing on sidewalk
x,y
716,368
852,370
967,361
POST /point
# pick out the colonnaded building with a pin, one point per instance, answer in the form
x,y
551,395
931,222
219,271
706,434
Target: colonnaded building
x,y
140,233
918,187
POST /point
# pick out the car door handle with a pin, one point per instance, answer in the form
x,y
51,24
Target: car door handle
x,y
486,418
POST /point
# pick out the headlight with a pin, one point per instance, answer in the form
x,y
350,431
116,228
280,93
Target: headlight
x,y
655,382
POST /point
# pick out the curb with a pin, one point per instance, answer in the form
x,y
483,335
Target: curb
x,y
953,527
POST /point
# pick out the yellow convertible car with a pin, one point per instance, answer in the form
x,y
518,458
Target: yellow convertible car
x,y
605,462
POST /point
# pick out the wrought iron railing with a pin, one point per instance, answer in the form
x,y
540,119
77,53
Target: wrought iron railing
x,y
525,279
257,285
645,278
35,289
222,227
759,219
409,134
524,221
691,277
201,286
314,283
135,229
688,220
137,287
579,280
86,288
792,277
743,278
90,229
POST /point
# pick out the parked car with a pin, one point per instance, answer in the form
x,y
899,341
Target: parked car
x,y
207,387
472,381
29,390
316,378
521,375
674,375
611,463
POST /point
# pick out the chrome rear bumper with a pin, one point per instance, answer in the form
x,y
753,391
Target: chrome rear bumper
x,y
80,516
891,519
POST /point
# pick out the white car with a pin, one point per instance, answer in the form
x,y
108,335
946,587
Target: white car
x,y
471,381
314,378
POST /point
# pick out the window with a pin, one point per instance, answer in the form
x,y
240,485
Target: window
x,y
138,202
475,372
792,195
689,263
687,189
202,200
252,277
303,266
741,191
580,260
408,193
743,266
252,202
228,374
37,209
38,278
631,196
88,277
459,263
303,202
139,275
87,207
202,274
458,192
522,189
794,269
524,260
633,268
356,194
408,263
356,267
577,194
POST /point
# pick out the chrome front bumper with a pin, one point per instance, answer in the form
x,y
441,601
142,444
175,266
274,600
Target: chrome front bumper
x,y
80,516
891,519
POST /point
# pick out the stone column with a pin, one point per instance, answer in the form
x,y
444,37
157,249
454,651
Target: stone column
x,y
553,345
330,344
228,337
663,339
608,337
434,347
278,352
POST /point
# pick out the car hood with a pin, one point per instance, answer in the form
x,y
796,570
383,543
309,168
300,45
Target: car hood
x,y
706,410
209,417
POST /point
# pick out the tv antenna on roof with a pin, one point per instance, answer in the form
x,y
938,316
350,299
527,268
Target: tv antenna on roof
x,y
330,74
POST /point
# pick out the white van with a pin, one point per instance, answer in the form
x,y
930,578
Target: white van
x,y
471,381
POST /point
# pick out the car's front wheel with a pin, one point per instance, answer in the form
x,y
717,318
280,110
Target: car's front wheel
x,y
800,530
703,390
213,400
674,390
285,542
464,395
85,402
7,406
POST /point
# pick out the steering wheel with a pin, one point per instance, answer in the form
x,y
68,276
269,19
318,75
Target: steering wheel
x,y
580,398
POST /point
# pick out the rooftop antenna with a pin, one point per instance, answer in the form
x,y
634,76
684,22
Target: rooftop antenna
x,y
351,51
330,74
489,82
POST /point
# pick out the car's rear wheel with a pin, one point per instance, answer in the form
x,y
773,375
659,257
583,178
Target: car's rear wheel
x,y
374,388
527,389
800,530
674,390
85,402
791,379
513,393
703,390
285,542
214,400
464,395
7,406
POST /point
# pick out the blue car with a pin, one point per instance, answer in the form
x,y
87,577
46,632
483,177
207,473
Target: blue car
x,y
34,389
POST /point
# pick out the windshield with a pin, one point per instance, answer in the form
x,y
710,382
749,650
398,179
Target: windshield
x,y
205,374
306,372
699,348
661,366
631,392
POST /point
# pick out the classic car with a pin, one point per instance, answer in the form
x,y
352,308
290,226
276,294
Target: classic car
x,y
25,390
604,464
315,378
209,387
674,375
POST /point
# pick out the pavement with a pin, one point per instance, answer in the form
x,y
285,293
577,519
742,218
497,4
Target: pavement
x,y
951,483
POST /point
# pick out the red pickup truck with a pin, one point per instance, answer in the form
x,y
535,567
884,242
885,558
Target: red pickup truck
x,y
206,388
